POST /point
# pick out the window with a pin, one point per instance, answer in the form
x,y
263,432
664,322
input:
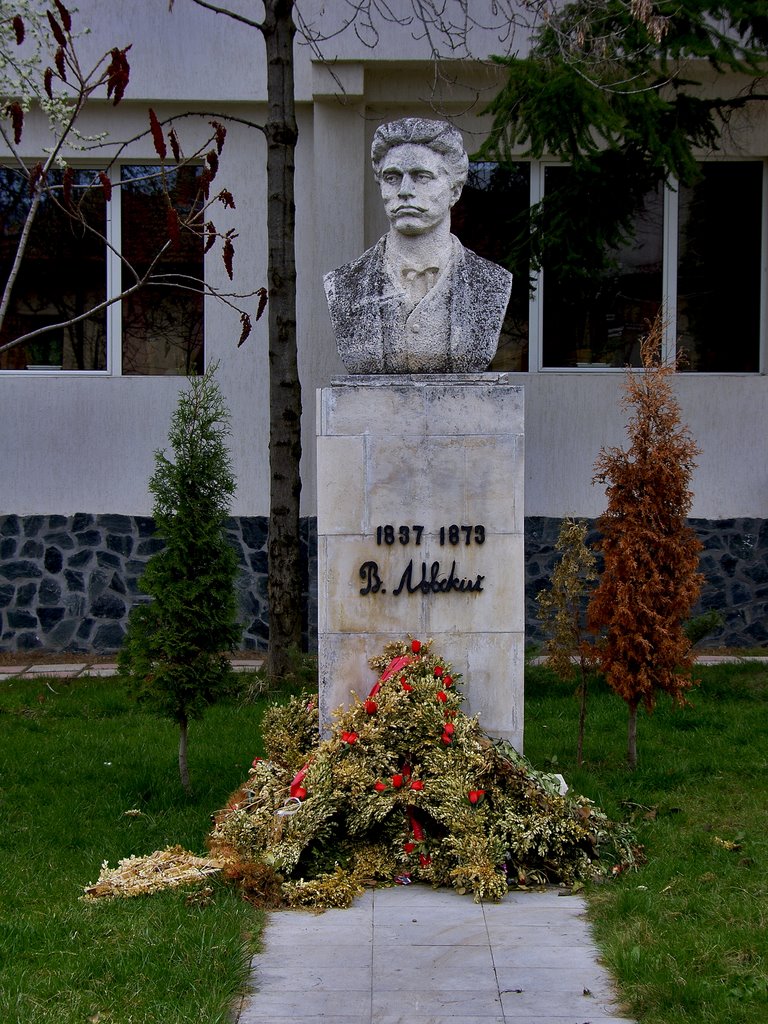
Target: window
x,y
63,275
492,211
720,227
70,267
599,319
162,323
700,253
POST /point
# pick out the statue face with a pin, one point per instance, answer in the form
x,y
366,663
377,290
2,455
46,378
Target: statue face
x,y
417,189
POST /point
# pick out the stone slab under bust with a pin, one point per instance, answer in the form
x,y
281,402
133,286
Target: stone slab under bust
x,y
420,531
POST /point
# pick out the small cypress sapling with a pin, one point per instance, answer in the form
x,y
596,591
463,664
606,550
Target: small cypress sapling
x,y
562,610
650,580
175,649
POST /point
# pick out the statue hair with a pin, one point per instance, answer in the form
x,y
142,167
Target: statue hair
x,y
438,136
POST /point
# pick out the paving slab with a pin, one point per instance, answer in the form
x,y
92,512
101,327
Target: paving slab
x,y
412,953
109,669
103,670
66,669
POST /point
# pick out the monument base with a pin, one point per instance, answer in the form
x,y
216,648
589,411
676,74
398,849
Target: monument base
x,y
420,532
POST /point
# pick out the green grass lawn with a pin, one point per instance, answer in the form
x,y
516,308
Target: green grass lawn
x,y
71,763
687,935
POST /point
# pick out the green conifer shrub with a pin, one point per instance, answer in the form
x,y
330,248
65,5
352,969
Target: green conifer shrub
x,y
175,649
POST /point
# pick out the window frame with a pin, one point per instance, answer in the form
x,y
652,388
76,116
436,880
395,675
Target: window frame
x,y
113,274
670,254
42,372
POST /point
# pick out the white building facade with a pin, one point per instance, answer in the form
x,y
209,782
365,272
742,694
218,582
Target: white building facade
x,y
80,427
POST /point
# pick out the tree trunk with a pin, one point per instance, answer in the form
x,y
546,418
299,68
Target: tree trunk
x,y
183,767
632,737
284,584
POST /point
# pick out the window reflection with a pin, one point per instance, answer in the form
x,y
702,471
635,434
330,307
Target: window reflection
x,y
718,307
62,275
162,331
492,219
598,319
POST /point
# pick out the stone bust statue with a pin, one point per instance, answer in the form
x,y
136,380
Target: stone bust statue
x,y
418,301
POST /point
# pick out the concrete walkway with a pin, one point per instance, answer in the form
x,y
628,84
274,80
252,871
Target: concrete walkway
x,y
65,670
73,670
415,955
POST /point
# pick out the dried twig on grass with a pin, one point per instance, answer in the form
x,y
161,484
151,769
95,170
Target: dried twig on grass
x,y
163,869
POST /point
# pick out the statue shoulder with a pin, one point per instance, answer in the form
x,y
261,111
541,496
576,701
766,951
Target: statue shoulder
x,y
352,276
485,270
487,285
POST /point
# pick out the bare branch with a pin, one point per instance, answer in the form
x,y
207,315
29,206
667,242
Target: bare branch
x,y
126,143
77,86
445,25
222,10
187,282
70,321
18,258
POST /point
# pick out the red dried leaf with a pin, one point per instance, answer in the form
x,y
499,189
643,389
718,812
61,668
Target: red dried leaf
x,y
213,162
205,182
35,175
58,32
174,229
245,320
18,28
66,17
226,198
48,82
211,235
221,134
61,67
106,185
118,73
16,114
66,186
175,147
157,135
228,254
263,296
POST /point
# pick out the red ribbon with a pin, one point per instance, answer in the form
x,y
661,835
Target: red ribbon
x,y
394,666
418,831
298,778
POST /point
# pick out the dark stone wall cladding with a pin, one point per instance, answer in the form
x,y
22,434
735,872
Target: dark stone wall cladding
x,y
734,562
67,583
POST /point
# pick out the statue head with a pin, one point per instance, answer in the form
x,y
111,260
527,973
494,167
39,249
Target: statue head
x,y
421,167
439,136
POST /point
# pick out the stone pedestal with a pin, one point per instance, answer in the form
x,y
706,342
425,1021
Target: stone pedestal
x,y
420,531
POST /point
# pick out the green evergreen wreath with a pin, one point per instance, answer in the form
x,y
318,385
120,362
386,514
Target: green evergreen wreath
x,y
408,788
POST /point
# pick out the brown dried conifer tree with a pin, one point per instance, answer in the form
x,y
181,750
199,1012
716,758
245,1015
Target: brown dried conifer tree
x,y
650,580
